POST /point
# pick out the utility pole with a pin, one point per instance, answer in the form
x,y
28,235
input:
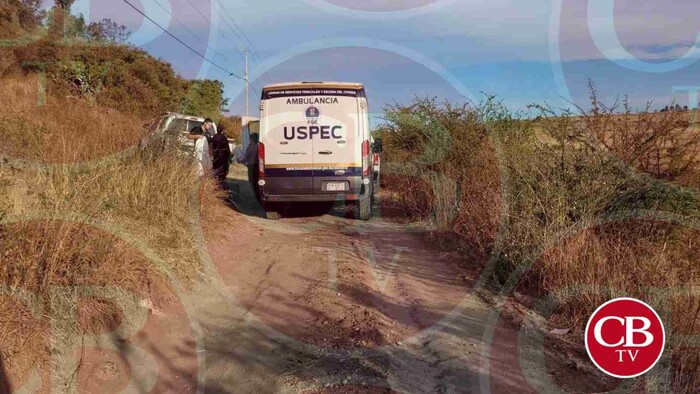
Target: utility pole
x,y
247,83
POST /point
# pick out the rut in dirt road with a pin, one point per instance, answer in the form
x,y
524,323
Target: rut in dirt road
x,y
336,282
318,299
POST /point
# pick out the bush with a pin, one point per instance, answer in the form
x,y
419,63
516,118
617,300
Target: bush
x,y
18,17
90,64
441,167
232,127
118,77
8,62
204,99
663,145
563,172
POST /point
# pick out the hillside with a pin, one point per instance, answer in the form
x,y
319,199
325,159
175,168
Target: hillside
x,y
75,178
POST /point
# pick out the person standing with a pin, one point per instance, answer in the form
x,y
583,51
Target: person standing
x,y
202,151
205,130
251,160
221,154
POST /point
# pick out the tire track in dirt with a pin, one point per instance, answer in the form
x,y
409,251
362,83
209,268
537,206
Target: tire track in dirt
x,y
322,302
338,284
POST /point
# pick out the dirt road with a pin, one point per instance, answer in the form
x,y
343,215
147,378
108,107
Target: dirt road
x,y
318,302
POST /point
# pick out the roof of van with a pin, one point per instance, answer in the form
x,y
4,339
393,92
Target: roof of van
x,y
315,85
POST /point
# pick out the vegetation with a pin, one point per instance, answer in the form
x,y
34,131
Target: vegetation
x,y
18,17
232,127
205,98
146,190
551,203
597,204
87,109
87,61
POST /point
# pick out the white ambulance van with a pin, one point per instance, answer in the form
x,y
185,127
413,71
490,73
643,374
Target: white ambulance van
x,y
315,146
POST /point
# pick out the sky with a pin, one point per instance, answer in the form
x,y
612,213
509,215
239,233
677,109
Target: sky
x,y
535,51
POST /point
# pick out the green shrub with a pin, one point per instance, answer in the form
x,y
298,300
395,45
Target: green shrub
x,y
581,193
119,77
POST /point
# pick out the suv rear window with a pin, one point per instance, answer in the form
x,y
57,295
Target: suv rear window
x,y
193,124
177,125
182,125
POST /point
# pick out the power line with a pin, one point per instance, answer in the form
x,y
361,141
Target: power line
x,y
233,30
221,32
187,28
208,19
242,36
205,17
183,43
226,21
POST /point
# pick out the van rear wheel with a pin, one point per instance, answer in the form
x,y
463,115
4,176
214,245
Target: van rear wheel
x,y
363,209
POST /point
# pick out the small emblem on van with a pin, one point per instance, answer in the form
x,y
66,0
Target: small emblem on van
x,y
340,172
312,115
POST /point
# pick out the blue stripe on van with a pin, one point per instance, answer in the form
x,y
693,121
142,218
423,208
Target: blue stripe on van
x,y
283,172
350,171
320,92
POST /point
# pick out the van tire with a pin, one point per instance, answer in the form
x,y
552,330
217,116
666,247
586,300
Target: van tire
x,y
364,204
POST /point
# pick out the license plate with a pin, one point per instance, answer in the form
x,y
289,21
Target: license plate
x,y
335,186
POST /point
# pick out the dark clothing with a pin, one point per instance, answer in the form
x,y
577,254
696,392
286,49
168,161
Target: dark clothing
x,y
253,176
251,160
220,155
199,130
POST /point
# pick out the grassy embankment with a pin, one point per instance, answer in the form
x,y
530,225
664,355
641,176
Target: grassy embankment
x,y
83,109
585,206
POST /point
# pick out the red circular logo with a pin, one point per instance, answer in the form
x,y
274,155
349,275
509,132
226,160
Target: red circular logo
x,y
625,338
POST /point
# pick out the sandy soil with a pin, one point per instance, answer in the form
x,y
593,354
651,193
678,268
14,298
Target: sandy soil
x,y
339,284
318,302
321,303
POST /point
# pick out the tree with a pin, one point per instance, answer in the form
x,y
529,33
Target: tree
x,y
61,9
74,26
205,98
107,30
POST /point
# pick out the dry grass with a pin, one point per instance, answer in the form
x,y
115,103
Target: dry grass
x,y
440,167
65,130
40,256
664,145
150,192
563,173
653,261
